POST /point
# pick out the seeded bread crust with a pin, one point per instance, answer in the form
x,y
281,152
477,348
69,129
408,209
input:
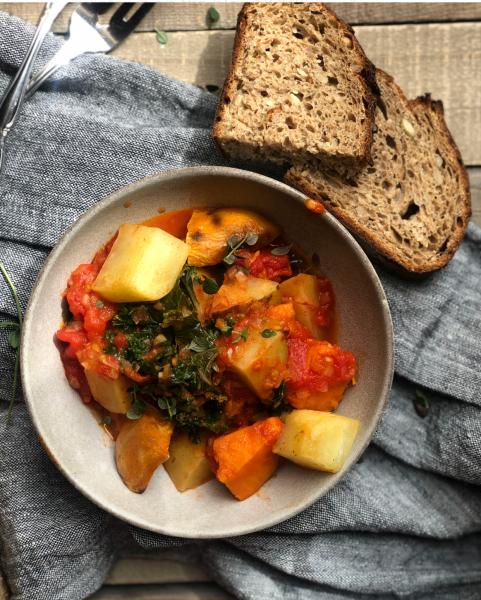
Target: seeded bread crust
x,y
412,204
268,131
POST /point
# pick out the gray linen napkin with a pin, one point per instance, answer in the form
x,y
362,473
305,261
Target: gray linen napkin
x,y
406,520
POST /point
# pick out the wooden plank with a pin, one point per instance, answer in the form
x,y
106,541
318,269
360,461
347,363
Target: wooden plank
x,y
475,181
130,571
192,591
440,58
188,16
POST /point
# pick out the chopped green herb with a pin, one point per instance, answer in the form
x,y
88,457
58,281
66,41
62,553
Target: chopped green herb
x,y
226,326
243,335
210,286
13,337
212,15
281,250
422,404
279,400
235,242
268,333
160,36
99,304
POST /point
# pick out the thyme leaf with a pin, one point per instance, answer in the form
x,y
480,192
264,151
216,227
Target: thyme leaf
x,y
268,333
212,15
210,286
281,250
235,242
422,404
160,36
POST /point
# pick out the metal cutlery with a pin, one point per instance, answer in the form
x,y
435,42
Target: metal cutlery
x,y
86,35
14,96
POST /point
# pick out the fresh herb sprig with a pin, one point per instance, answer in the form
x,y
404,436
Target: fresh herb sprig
x,y
235,242
13,337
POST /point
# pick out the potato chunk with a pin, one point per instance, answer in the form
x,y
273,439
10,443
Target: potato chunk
x,y
244,457
238,289
143,265
141,446
260,361
112,394
187,465
312,299
317,440
208,232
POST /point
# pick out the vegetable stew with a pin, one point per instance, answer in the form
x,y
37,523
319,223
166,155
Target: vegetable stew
x,y
207,343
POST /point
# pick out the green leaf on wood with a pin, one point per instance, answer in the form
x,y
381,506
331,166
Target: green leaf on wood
x,y
212,15
160,36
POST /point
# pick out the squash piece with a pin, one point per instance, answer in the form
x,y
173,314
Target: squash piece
x,y
317,440
244,457
305,292
328,400
260,361
187,465
238,289
143,265
141,446
110,393
209,231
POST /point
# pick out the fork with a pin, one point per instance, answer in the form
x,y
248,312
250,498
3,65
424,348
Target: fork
x,y
86,35
14,96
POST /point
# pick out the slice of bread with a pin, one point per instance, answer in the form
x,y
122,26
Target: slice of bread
x,y
299,86
412,204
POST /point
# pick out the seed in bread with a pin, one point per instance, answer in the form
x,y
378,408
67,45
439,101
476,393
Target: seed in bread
x,y
299,86
412,204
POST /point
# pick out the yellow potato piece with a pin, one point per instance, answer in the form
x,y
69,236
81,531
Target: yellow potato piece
x,y
141,446
208,232
112,394
260,362
317,440
239,290
143,265
187,465
303,290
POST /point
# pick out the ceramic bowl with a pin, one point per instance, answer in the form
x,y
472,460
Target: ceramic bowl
x,y
70,433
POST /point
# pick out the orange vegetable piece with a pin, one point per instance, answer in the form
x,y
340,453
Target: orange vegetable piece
x,y
141,446
244,458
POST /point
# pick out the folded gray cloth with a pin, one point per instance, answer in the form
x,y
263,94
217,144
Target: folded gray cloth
x,y
404,522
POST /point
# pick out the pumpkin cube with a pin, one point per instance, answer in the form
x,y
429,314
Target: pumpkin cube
x,y
244,457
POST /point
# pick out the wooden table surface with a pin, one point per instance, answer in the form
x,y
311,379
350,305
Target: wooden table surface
x,y
427,47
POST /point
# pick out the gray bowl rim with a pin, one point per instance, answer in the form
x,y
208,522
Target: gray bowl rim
x,y
192,172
